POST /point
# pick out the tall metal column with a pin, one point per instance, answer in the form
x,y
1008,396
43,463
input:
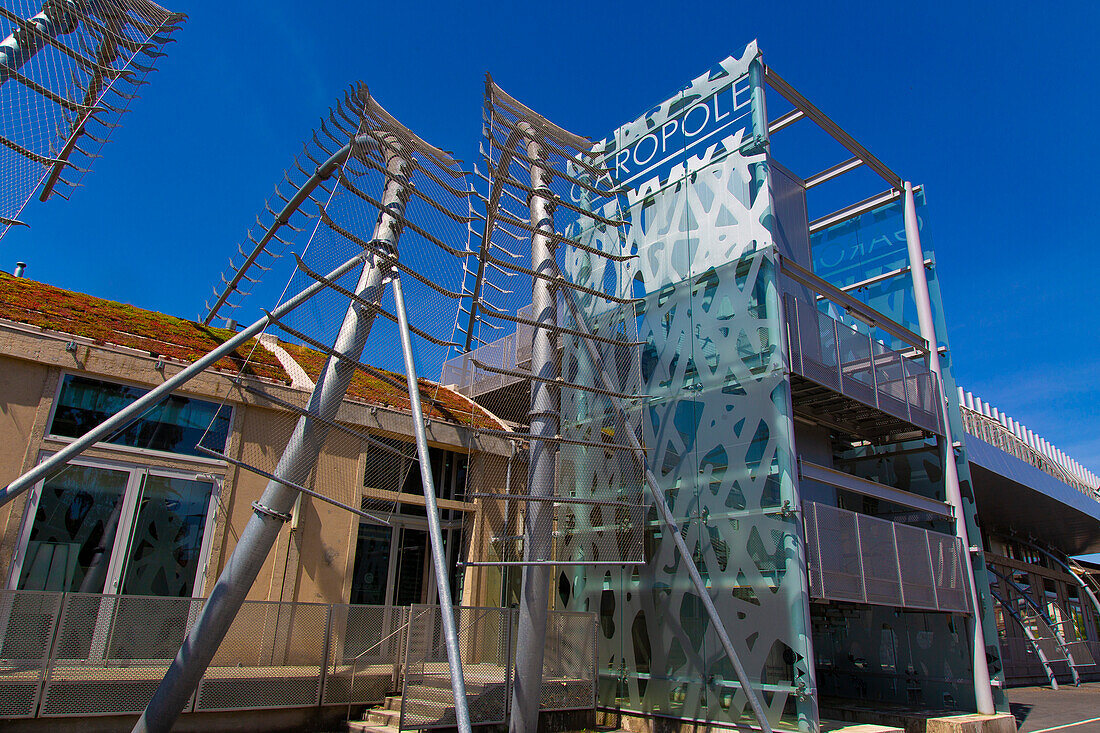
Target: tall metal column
x,y
298,459
983,693
56,19
544,420
442,572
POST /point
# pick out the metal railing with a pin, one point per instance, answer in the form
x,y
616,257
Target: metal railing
x,y
83,654
487,640
510,352
839,357
864,559
993,432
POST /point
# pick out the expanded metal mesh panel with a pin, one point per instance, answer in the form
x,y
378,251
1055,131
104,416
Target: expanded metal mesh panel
x,y
272,657
27,622
947,570
568,666
917,586
366,644
484,640
881,576
839,558
111,652
884,562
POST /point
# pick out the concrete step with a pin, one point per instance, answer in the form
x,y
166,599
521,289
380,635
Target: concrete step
x,y
382,716
360,726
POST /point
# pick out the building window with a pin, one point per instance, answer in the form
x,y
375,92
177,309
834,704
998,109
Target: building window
x,y
386,470
100,527
176,425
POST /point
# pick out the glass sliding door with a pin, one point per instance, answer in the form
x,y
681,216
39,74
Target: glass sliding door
x,y
112,528
412,562
73,521
168,536
370,579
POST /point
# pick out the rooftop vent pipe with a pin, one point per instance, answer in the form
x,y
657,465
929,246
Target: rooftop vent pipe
x,y
19,268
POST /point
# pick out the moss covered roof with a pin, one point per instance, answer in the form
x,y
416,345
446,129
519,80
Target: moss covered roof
x,y
109,322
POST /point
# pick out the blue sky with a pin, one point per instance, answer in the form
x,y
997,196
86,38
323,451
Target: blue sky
x,y
987,105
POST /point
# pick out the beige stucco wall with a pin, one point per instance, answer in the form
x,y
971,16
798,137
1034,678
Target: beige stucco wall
x,y
313,557
22,388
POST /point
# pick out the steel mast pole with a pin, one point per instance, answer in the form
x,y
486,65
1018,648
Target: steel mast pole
x,y
446,608
983,692
18,48
544,420
298,459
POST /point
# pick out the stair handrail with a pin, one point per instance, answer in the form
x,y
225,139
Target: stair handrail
x,y
360,655
485,611
1041,614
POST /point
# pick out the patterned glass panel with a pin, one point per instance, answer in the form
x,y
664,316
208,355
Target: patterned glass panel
x,y
73,535
716,424
166,540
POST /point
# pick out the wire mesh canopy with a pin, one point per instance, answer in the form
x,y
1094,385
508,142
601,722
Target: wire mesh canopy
x,y
69,69
328,211
598,512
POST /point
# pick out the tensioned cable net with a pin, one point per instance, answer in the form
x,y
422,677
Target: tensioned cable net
x,y
327,216
597,500
69,69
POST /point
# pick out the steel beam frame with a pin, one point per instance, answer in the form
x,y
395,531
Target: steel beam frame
x,y
862,486
834,130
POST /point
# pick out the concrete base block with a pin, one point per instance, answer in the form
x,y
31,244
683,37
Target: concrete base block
x,y
1002,723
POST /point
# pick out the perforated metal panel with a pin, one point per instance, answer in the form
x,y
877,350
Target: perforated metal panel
x,y
856,557
840,559
813,553
947,570
852,363
27,623
1079,654
881,575
917,586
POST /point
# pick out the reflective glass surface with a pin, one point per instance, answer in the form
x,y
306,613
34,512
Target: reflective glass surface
x,y
166,539
176,425
75,526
